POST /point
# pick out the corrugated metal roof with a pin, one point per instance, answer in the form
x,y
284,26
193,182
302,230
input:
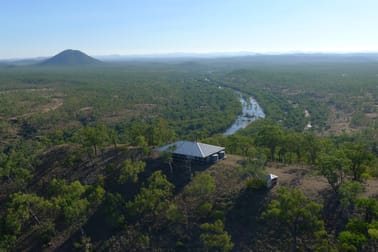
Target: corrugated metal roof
x,y
193,149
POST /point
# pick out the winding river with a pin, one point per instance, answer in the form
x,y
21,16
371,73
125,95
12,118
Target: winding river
x,y
251,111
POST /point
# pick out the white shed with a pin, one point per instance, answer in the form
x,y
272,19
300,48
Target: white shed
x,y
271,180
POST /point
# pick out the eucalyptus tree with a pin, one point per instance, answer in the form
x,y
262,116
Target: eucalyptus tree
x,y
295,214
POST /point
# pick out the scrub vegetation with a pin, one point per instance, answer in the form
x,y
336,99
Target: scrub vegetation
x,y
78,170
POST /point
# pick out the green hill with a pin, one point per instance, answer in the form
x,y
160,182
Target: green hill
x,y
70,58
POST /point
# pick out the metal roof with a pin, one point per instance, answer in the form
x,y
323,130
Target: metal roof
x,y
272,176
194,149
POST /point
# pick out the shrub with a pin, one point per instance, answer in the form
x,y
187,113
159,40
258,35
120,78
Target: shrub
x,y
256,184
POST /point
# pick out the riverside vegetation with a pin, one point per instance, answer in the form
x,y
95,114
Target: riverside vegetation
x,y
78,170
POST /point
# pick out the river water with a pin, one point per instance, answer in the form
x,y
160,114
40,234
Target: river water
x,y
251,111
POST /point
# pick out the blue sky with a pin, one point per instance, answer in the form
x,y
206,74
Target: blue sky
x,y
30,28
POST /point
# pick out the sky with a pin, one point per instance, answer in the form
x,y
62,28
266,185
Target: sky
x,y
32,28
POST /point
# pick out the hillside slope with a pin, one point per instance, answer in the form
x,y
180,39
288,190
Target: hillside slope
x,y
70,58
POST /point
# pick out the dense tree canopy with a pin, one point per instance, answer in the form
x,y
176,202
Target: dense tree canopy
x,y
296,213
78,168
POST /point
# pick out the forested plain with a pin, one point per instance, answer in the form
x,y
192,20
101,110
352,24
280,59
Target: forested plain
x,y
78,170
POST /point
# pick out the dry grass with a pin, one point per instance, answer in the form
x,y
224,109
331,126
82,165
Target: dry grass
x,y
226,174
339,122
309,182
229,181
300,177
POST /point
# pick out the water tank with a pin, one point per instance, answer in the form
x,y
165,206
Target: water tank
x,y
222,154
214,158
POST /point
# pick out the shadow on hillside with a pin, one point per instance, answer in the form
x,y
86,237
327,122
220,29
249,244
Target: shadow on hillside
x,y
99,228
333,212
183,172
243,220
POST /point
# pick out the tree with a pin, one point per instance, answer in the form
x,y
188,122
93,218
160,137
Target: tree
x,y
152,202
367,208
232,144
141,142
114,207
312,147
168,158
96,194
92,137
159,132
254,165
26,205
202,185
130,170
294,212
373,233
10,228
174,214
333,167
69,200
293,144
350,241
347,193
238,144
270,136
113,137
324,242
152,198
362,227
22,207
215,238
359,157
16,168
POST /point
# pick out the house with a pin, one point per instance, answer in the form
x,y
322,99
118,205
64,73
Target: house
x,y
194,151
271,180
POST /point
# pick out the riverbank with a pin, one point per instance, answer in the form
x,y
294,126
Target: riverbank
x,y
251,110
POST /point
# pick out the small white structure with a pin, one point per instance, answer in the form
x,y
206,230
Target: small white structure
x,y
271,180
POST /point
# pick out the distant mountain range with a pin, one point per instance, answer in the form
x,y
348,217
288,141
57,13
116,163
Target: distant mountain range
x,y
78,58
70,58
295,56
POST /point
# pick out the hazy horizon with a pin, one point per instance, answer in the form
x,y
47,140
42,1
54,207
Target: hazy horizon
x,y
198,54
43,28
